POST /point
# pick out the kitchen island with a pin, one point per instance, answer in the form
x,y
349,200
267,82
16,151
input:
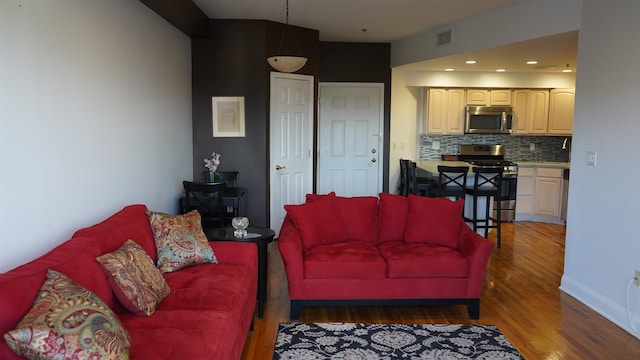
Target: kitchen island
x,y
542,191
429,169
541,188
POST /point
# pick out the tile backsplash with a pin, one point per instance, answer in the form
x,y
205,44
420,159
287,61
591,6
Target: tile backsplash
x,y
517,148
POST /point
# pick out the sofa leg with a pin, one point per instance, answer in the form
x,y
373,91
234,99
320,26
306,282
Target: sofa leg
x,y
473,307
296,309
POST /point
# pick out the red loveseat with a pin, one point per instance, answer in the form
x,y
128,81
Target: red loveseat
x,y
389,251
207,314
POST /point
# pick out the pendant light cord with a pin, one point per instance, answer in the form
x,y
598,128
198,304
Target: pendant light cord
x,y
286,26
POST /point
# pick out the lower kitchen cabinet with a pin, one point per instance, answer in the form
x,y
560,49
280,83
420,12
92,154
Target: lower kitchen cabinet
x,y
548,192
539,194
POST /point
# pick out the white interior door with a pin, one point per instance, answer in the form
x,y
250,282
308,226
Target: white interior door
x,y
350,139
291,142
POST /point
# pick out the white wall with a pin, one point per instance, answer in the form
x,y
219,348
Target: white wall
x,y
95,114
603,241
528,20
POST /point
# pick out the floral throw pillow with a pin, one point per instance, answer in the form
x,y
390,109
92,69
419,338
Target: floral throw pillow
x,y
68,321
180,241
134,278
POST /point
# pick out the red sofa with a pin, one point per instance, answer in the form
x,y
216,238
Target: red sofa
x,y
386,250
207,314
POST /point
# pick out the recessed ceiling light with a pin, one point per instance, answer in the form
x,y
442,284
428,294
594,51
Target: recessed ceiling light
x,y
501,70
470,62
567,70
449,69
532,62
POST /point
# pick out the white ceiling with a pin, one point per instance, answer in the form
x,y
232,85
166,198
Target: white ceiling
x,y
391,20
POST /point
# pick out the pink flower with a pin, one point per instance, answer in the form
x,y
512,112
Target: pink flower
x,y
212,164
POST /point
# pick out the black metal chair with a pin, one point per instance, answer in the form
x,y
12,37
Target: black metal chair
x,y
229,178
488,184
452,182
417,186
207,198
409,182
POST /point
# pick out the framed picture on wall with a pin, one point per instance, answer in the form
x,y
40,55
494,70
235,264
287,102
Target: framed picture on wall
x,y
228,116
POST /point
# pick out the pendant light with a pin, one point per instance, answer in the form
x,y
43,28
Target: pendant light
x,y
287,63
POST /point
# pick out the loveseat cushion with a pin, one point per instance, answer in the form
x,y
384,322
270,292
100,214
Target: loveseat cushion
x,y
346,260
319,222
433,221
392,216
134,278
68,321
312,197
423,261
360,216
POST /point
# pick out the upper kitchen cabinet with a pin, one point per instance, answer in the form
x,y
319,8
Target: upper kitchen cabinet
x,y
531,111
485,97
561,103
445,111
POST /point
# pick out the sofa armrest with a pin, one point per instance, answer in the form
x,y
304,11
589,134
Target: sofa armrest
x,y
292,251
477,250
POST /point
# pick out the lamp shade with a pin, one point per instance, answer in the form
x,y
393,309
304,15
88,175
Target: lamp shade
x,y
287,64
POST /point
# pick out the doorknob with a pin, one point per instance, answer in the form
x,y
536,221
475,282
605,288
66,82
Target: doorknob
x,y
373,151
278,167
374,160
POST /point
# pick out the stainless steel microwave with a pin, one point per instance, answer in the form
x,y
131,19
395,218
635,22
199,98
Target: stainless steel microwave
x,y
488,120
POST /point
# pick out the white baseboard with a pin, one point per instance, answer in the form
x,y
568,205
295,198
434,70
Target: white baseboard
x,y
600,304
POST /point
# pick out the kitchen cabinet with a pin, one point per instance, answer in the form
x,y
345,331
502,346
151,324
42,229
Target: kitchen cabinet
x,y
561,104
525,190
445,111
486,97
548,192
531,111
539,194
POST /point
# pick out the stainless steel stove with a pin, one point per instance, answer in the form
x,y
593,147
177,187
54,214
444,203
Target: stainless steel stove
x,y
483,155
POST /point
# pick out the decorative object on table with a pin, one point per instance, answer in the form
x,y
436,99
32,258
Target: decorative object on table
x,y
287,63
212,164
240,224
391,341
228,116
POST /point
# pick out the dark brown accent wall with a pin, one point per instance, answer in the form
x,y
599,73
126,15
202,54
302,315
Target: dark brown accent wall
x,y
361,62
231,61
184,15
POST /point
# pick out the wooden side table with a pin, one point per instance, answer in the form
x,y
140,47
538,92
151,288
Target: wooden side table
x,y
259,236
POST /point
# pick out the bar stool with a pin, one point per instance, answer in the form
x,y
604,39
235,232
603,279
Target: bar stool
x,y
409,183
417,187
487,183
452,182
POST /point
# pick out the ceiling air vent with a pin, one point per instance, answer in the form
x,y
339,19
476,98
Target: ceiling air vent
x,y
444,37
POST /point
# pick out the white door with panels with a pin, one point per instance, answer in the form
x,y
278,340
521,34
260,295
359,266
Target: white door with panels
x,y
350,138
291,143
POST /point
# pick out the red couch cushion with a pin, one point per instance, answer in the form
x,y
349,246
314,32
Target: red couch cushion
x,y
311,197
319,222
347,260
19,287
392,216
434,221
360,216
129,223
421,260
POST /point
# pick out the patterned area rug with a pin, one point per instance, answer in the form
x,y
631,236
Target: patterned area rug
x,y
315,341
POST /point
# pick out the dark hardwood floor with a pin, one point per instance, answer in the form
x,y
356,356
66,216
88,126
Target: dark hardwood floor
x,y
521,296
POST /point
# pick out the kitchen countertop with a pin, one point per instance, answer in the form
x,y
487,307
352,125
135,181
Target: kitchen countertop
x,y
551,164
431,166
